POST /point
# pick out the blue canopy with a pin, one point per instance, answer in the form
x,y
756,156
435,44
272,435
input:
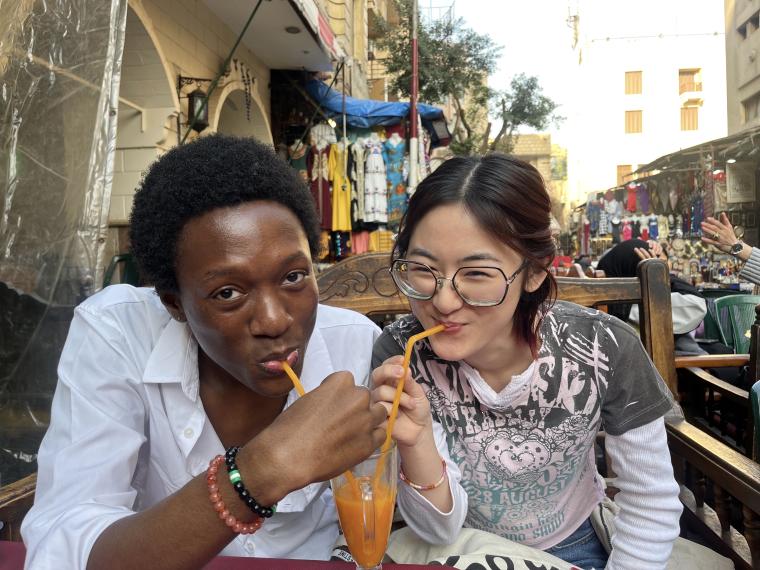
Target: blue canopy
x,y
366,112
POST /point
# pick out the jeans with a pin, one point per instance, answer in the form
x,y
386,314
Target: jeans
x,y
582,548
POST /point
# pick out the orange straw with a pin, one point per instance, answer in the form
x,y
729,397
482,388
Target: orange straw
x,y
400,386
299,389
399,389
293,378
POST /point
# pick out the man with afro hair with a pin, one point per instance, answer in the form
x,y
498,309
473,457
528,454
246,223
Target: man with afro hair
x,y
156,382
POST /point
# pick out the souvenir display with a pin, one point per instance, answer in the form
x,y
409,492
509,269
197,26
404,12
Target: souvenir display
x,y
669,207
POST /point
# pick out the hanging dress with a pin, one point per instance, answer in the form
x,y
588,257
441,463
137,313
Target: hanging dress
x,y
394,172
341,189
319,175
375,186
357,177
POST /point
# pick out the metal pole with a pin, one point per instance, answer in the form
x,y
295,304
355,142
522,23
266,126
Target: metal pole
x,y
413,144
343,104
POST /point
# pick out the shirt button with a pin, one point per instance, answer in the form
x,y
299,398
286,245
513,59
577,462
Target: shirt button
x,y
189,433
250,547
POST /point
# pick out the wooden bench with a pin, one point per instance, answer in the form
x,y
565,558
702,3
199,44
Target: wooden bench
x,y
15,500
712,474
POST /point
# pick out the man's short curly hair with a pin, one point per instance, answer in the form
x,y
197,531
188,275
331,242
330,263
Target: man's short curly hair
x,y
212,172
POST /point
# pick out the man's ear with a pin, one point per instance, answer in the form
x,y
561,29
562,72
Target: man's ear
x,y
173,305
534,278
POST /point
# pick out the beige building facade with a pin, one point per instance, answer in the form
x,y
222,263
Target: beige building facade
x,y
349,22
551,162
653,85
175,47
742,64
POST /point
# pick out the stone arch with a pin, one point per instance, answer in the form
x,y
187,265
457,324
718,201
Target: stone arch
x,y
146,83
228,113
136,7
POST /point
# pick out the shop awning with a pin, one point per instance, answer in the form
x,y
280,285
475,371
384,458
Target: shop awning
x,y
284,34
742,145
366,112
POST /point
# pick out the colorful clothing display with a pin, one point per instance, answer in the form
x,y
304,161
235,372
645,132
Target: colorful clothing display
x,y
355,182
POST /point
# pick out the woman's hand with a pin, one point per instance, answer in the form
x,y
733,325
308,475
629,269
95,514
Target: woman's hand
x,y
413,420
719,233
655,251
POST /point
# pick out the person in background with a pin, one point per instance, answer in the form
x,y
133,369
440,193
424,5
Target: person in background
x,y
688,306
519,384
584,260
720,233
154,384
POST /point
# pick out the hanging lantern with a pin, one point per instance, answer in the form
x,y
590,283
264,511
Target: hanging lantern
x,y
197,110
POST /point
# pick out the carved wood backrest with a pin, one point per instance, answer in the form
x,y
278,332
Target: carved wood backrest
x,y
362,283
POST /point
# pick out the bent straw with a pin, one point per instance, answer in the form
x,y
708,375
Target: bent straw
x,y
300,391
400,388
293,378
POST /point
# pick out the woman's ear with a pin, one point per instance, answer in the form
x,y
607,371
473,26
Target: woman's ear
x,y
534,278
173,305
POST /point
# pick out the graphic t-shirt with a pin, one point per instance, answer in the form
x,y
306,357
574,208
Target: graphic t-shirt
x,y
528,462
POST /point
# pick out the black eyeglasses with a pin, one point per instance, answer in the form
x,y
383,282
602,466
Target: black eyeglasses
x,y
477,286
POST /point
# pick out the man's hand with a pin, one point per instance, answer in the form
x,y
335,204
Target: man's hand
x,y
324,433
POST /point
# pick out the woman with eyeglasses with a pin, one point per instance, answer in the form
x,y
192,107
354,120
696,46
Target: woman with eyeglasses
x,y
519,384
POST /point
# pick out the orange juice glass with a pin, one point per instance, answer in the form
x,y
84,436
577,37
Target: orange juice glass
x,y
365,507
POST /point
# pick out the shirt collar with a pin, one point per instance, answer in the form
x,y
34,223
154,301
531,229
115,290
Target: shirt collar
x,y
174,359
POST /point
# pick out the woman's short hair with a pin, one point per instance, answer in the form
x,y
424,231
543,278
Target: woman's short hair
x,y
215,171
509,200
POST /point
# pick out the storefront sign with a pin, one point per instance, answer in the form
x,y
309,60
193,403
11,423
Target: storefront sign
x,y
740,182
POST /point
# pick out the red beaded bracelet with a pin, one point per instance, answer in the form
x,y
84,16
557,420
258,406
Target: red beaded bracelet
x,y
216,499
425,487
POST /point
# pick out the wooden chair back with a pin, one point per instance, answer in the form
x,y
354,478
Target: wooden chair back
x,y
15,500
363,284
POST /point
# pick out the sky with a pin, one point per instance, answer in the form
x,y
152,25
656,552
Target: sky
x,y
536,40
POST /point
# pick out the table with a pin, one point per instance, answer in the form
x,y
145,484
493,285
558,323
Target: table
x,y
12,558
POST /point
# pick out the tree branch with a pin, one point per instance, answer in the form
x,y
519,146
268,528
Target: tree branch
x,y
484,143
460,112
503,128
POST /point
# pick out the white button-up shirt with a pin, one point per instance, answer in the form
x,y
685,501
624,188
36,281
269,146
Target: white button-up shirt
x,y
128,428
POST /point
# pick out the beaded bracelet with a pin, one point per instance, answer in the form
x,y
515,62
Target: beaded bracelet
x,y
425,487
237,483
216,499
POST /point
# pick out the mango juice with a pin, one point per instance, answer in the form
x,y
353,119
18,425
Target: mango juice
x,y
366,550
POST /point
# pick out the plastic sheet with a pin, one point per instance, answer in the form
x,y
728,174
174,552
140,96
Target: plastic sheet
x,y
59,80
